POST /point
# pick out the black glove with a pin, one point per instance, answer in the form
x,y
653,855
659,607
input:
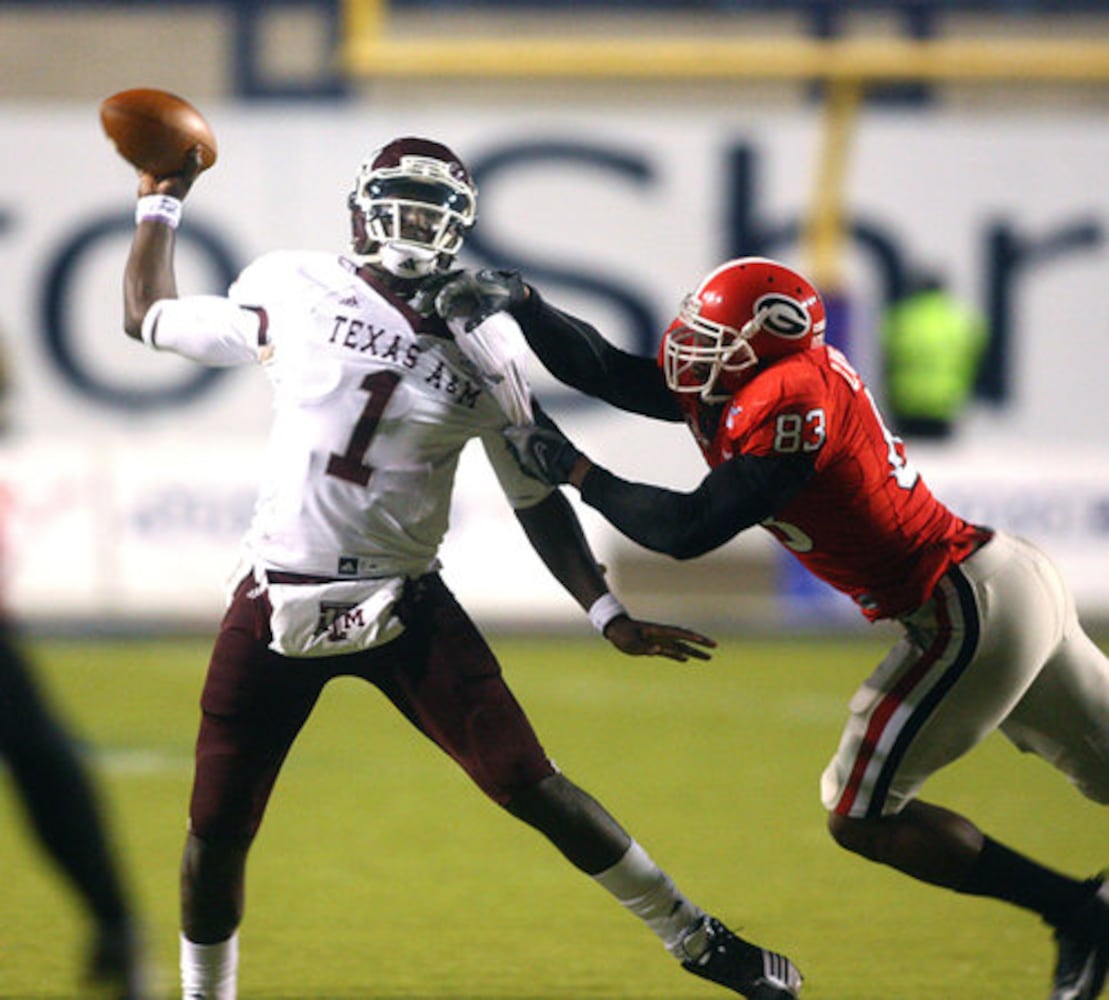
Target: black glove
x,y
475,297
542,450
425,291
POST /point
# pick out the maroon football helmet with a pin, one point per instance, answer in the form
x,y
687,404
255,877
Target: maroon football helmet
x,y
412,202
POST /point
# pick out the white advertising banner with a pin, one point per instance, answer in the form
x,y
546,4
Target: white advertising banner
x,y
128,475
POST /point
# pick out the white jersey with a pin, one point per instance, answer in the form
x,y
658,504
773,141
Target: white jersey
x,y
373,404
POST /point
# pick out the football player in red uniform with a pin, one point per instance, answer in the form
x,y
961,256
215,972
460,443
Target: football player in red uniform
x,y
796,444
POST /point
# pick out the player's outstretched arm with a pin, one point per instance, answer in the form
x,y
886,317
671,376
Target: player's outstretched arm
x,y
570,348
740,493
575,353
149,276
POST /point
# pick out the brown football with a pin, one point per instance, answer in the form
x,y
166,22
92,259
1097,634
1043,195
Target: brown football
x,y
154,130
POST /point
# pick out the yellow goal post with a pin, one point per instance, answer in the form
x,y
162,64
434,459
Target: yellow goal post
x,y
846,66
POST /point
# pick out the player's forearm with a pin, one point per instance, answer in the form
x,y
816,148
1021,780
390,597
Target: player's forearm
x,y
555,533
576,354
734,496
659,519
148,276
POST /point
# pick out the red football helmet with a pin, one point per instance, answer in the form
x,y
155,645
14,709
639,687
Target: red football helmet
x,y
412,202
747,312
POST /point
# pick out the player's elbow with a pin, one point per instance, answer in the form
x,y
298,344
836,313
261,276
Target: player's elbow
x,y
136,303
682,544
140,294
677,528
132,325
136,309
687,549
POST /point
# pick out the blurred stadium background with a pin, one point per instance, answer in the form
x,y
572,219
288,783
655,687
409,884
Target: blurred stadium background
x,y
621,149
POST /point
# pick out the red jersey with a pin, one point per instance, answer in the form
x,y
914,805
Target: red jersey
x,y
865,522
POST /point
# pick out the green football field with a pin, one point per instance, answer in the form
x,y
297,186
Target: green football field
x,y
380,873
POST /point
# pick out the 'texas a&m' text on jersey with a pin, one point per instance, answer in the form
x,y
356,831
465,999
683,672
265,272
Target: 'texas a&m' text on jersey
x,y
373,404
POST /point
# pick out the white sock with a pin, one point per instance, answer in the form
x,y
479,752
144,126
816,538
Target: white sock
x,y
209,971
648,892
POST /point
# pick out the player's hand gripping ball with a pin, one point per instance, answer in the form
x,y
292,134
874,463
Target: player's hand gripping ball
x,y
154,130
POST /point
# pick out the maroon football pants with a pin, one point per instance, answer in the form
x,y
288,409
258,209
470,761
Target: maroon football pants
x,y
440,673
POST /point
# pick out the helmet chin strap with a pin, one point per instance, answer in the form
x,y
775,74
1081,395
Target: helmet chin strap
x,y
406,260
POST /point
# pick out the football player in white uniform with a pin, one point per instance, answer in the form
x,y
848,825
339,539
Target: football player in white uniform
x,y
375,397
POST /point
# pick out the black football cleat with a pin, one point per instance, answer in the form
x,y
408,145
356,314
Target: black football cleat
x,y
726,959
1083,950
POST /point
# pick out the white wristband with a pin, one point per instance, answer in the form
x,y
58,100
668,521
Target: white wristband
x,y
162,208
603,610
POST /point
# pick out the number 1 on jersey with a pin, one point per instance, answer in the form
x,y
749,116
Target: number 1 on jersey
x,y
351,465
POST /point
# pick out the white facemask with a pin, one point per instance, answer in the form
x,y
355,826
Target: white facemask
x,y
406,260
